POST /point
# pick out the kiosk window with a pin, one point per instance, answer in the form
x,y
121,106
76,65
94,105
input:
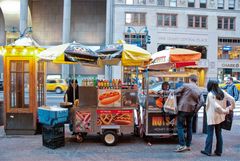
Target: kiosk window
x,y
19,87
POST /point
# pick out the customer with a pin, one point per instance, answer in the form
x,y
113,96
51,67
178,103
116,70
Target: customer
x,y
216,109
231,89
189,100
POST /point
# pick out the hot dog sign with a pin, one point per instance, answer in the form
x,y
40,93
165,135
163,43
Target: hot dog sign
x,y
114,117
109,98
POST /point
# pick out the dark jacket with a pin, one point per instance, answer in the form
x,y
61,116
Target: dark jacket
x,y
70,94
189,98
232,90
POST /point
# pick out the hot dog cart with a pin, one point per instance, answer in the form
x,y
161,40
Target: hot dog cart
x,y
166,66
157,122
108,112
110,109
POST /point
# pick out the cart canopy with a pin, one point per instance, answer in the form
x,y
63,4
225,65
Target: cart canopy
x,y
174,58
69,53
130,55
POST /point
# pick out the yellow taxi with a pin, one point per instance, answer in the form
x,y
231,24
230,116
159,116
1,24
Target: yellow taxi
x,y
236,82
57,85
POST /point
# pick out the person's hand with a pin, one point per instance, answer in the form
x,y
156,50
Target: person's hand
x,y
228,110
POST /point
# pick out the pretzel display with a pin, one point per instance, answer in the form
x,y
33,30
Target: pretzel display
x,y
106,119
109,97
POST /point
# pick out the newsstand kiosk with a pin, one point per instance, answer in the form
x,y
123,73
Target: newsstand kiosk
x,y
24,87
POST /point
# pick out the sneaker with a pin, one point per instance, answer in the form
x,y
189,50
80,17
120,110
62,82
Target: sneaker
x,y
189,148
180,148
205,153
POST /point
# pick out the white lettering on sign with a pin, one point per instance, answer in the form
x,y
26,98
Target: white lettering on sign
x,y
160,59
180,38
230,65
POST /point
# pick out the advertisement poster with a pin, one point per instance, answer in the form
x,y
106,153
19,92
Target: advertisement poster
x,y
160,123
114,117
82,121
109,98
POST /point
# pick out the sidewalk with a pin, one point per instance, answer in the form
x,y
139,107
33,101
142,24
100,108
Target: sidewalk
x,y
130,148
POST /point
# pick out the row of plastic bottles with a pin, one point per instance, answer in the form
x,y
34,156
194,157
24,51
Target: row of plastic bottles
x,y
89,82
109,84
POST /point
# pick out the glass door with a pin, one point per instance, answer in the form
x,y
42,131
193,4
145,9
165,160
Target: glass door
x,y
41,84
19,85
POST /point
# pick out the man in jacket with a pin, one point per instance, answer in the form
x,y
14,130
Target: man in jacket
x,y
189,101
231,89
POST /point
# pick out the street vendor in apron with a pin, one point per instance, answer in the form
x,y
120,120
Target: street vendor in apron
x,y
69,97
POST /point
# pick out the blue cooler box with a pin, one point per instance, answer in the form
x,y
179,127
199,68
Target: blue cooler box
x,y
52,115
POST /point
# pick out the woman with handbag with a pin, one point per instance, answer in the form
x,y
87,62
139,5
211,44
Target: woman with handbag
x,y
216,110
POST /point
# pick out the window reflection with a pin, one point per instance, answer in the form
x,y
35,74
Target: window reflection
x,y
19,87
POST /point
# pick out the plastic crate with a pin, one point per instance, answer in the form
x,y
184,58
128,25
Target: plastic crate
x,y
54,143
52,115
53,136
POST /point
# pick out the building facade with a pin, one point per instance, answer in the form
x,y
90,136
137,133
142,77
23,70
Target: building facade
x,y
55,22
209,26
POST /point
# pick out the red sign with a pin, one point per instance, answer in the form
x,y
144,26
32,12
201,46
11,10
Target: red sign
x,y
114,117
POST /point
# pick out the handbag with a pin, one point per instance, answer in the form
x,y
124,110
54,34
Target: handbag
x,y
227,123
170,106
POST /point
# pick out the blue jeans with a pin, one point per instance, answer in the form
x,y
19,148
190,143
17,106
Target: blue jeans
x,y
183,117
209,139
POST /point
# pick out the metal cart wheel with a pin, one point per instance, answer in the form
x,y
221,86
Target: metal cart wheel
x,y
110,138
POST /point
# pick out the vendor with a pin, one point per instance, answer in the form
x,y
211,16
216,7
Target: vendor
x,y
165,89
69,95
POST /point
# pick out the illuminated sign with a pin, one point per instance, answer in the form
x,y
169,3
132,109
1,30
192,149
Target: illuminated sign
x,y
227,48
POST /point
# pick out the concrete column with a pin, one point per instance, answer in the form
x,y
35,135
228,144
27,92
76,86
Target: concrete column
x,y
23,15
109,33
66,32
109,21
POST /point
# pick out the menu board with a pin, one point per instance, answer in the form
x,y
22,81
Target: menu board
x,y
161,123
114,117
109,98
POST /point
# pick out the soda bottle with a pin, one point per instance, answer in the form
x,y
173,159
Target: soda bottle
x,y
110,84
116,83
99,84
113,83
119,84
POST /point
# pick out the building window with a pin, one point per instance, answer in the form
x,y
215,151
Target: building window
x,y
141,2
231,4
169,20
173,3
135,18
226,23
129,1
203,3
197,21
191,3
220,4
137,39
229,48
161,2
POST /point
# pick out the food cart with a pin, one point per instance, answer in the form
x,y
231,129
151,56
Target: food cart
x,y
164,67
108,109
